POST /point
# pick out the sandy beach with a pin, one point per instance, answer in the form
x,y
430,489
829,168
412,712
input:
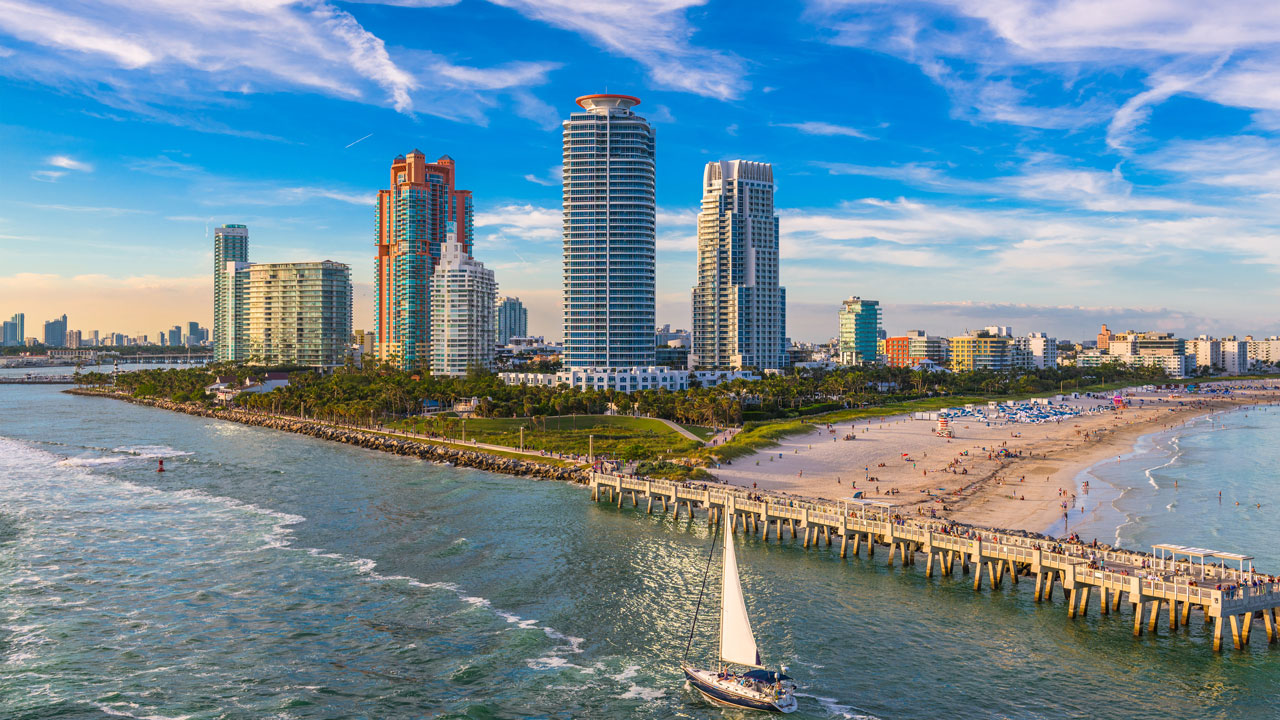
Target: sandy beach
x,y
994,474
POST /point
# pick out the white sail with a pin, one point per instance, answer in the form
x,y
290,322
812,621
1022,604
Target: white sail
x,y
737,644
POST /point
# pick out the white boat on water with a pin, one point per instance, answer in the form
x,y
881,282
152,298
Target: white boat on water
x,y
751,687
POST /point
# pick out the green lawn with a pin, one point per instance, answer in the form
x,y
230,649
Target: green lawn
x,y
705,433
629,438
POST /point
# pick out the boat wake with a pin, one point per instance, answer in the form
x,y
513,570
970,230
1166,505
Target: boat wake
x,y
836,709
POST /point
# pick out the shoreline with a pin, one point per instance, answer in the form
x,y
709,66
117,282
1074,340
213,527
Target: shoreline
x,y
1116,491
966,479
369,440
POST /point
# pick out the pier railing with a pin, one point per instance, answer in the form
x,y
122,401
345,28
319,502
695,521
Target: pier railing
x,y
1149,582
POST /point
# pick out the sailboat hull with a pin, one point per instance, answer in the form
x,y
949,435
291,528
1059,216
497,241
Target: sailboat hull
x,y
704,682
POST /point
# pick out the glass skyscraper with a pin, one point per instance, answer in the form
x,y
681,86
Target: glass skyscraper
x,y
230,245
513,319
413,217
859,331
739,311
609,230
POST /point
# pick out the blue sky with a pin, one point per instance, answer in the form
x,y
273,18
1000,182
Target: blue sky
x,y
1046,165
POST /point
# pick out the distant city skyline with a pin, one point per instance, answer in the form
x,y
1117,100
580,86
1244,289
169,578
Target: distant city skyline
x,y
1090,168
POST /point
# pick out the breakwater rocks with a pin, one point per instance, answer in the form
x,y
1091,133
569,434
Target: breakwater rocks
x,y
370,440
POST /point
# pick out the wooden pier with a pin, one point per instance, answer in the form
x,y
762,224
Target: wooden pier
x,y
1171,582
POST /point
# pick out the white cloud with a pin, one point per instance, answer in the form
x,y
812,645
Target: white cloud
x,y
47,175
554,176
156,59
655,34
813,127
522,221
995,57
88,209
67,162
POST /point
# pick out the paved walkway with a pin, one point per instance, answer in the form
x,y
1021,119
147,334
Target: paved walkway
x,y
680,430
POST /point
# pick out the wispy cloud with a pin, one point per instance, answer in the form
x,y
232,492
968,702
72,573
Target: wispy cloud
x,y
103,210
67,162
813,127
655,34
142,57
1009,60
522,222
554,176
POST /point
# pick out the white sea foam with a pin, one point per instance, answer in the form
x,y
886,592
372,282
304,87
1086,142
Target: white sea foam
x,y
117,711
518,621
89,461
151,451
836,709
643,693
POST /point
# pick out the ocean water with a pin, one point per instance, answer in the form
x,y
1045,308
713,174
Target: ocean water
x,y
267,575
1167,489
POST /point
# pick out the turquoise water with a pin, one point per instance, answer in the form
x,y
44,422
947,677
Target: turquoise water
x,y
268,575
1166,490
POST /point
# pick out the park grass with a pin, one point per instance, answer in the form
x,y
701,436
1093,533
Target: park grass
x,y
487,451
704,433
618,436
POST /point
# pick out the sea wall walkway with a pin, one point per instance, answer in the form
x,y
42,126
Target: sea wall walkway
x,y
1230,597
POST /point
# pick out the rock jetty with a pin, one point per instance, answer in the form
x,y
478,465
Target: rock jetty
x,y
370,440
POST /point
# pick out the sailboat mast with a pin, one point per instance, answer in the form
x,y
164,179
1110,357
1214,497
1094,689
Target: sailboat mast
x,y
728,538
702,591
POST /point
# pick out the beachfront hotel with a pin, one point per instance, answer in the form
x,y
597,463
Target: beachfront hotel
x,y
609,243
739,310
462,294
859,331
413,216
230,245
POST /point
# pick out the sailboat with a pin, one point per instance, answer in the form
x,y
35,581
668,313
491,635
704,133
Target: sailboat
x,y
754,688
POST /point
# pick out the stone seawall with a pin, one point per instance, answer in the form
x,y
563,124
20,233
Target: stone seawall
x,y
369,440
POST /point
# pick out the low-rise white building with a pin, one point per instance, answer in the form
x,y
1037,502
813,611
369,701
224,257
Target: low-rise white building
x,y
626,379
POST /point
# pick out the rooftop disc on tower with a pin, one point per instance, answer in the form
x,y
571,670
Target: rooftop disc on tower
x,y
604,103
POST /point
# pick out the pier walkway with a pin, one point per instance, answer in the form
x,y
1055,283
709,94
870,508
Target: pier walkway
x,y
1175,580
38,379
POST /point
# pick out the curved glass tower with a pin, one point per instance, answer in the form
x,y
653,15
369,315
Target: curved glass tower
x,y
608,235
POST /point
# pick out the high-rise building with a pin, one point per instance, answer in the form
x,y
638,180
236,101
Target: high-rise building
x,y
1104,338
1235,355
234,308
609,244
174,336
55,332
1208,352
412,219
859,331
230,245
513,320
297,313
462,322
73,339
739,310
15,330
1044,350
